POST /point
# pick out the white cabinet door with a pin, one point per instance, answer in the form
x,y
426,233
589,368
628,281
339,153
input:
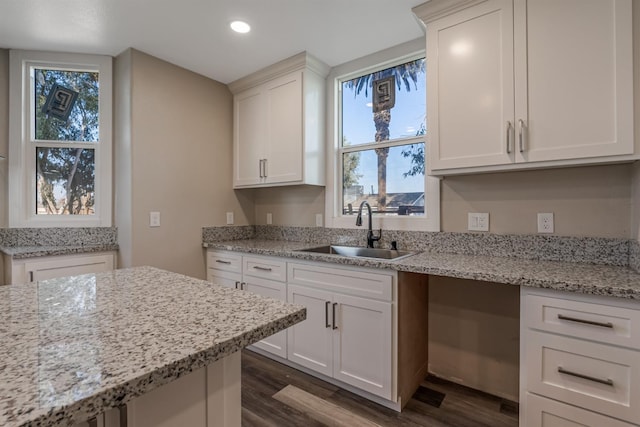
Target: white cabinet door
x,y
310,341
249,137
470,98
574,82
277,343
61,266
224,278
362,344
284,139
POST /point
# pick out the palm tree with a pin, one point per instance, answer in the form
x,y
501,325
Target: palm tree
x,y
403,73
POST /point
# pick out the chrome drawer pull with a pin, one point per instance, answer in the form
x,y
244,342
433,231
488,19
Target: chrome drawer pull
x,y
219,261
586,322
257,267
585,377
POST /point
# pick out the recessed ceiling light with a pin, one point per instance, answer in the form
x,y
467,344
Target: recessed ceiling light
x,y
240,27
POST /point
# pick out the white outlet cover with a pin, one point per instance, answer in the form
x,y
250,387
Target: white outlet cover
x,y
478,221
229,218
154,219
545,222
269,218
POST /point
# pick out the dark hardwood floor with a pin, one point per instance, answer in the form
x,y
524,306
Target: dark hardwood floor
x,y
276,395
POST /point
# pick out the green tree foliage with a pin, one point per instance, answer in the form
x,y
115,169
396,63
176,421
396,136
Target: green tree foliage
x,y
66,175
405,75
350,163
416,153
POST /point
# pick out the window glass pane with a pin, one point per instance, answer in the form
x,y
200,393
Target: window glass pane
x,y
406,118
66,105
65,181
390,179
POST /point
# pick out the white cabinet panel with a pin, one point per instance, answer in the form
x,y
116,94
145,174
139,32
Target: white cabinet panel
x,y
51,267
310,341
277,343
249,130
362,344
543,412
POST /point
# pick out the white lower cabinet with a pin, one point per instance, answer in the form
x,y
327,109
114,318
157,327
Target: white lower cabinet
x,y
349,334
261,275
579,360
347,337
51,267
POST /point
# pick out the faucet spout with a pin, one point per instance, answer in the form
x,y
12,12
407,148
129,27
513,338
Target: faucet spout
x,y
370,236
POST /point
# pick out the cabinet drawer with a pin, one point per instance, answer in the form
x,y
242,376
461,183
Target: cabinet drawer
x,y
596,322
225,261
377,285
542,412
602,378
266,268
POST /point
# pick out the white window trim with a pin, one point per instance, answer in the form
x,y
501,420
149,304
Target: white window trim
x,y
22,166
388,57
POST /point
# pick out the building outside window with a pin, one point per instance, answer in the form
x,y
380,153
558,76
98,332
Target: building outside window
x,y
60,149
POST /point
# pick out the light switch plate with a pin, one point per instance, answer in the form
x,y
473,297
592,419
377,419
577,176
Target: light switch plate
x,y
269,218
318,220
478,221
154,219
229,218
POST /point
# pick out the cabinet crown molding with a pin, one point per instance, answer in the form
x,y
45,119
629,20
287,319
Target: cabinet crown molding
x,y
435,9
300,61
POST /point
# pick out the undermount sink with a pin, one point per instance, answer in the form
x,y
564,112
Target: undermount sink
x,y
359,252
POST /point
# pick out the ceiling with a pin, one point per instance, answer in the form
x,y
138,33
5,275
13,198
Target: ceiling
x,y
195,34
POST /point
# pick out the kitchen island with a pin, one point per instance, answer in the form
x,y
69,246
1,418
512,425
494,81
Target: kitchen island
x,y
161,343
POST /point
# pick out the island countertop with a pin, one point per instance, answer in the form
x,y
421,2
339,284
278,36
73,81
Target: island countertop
x,y
74,347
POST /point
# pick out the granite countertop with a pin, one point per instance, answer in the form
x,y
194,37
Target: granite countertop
x,y
75,346
22,252
615,281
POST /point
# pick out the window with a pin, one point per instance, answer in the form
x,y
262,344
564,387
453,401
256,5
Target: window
x,y
380,147
60,148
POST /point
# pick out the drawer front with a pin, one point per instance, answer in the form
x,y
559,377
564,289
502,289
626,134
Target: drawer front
x,y
598,377
595,322
265,268
225,261
378,285
542,412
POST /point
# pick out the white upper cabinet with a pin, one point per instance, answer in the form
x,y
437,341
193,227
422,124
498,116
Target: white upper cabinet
x,y
279,124
515,84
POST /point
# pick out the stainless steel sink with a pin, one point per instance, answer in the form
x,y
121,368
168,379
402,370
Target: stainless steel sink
x,y
359,252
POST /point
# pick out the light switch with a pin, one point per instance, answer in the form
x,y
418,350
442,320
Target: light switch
x,y
269,218
154,219
229,218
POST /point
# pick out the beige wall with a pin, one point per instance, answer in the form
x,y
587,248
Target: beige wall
x,y
586,201
292,206
179,160
4,134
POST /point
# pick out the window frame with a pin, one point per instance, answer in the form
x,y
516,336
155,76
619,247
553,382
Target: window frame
x,y
22,146
387,58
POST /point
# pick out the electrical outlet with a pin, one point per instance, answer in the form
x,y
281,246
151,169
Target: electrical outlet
x,y
229,218
269,218
154,219
545,222
478,221
318,220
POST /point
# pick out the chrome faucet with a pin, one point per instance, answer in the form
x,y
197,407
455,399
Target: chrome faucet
x,y
370,237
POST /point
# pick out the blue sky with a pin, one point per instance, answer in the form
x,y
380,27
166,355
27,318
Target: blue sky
x,y
406,117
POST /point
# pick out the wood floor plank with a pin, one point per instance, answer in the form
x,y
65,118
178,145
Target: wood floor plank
x,y
320,409
461,406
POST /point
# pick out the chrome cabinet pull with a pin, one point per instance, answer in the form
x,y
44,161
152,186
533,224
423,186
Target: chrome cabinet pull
x,y
334,316
257,267
219,261
261,167
521,135
608,381
586,322
508,137
265,168
326,314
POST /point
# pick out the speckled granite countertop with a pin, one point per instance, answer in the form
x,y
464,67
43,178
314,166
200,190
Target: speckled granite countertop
x,y
23,252
621,282
72,347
